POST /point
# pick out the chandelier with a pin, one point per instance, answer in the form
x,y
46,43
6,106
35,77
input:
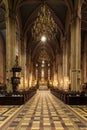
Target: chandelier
x,y
44,26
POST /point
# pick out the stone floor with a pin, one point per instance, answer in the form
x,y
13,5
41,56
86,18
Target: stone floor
x,y
43,112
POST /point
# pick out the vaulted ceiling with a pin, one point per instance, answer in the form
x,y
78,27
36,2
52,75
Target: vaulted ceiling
x,y
58,10
27,11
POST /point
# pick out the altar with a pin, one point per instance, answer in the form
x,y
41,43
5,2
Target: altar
x,y
43,87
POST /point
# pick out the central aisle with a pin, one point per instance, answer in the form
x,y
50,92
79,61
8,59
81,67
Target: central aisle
x,y
45,112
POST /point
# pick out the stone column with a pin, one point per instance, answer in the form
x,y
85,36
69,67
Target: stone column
x,y
23,61
29,72
84,61
36,73
19,51
10,47
60,70
33,74
57,66
54,74
76,50
49,72
27,68
65,64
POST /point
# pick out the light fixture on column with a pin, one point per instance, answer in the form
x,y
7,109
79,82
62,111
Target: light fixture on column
x,y
44,27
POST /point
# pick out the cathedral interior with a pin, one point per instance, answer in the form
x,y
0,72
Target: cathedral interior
x,y
43,64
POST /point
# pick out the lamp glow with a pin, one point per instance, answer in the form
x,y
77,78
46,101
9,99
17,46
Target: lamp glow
x,y
43,38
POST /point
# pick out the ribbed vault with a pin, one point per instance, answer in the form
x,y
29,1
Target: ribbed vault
x,y
38,50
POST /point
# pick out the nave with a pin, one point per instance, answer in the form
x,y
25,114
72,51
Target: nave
x,y
43,112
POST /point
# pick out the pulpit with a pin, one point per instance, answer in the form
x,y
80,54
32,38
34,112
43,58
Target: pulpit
x,y
15,79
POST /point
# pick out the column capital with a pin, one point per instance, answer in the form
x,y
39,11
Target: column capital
x,y
76,15
63,41
63,38
10,13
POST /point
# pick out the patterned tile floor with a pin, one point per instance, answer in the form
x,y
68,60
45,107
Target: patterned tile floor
x,y
80,110
43,112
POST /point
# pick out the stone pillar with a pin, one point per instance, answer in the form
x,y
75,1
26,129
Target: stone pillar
x,y
23,61
31,76
54,74
65,64
27,68
29,72
19,51
57,67
49,72
36,72
10,47
60,70
84,61
76,50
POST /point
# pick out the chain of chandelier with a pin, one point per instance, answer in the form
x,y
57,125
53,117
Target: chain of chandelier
x,y
44,25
